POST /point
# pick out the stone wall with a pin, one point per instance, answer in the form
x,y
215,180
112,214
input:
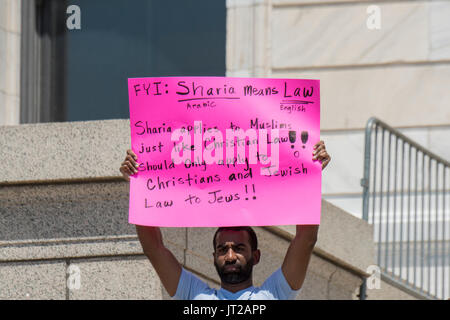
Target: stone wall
x,y
398,73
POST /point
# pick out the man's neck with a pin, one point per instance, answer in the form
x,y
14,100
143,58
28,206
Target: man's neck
x,y
238,286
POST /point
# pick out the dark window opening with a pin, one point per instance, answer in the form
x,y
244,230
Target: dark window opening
x,y
86,70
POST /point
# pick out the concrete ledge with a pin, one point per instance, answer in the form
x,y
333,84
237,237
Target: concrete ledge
x,y
70,210
63,151
41,250
68,248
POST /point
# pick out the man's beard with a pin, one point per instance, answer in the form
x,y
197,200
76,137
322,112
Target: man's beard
x,y
234,277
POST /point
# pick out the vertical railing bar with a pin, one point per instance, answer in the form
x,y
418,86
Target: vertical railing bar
x,y
395,206
367,167
401,208
375,187
409,214
374,176
386,261
436,242
381,197
443,235
415,218
366,186
429,225
422,227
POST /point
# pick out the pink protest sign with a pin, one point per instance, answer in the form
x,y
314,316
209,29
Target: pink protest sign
x,y
218,151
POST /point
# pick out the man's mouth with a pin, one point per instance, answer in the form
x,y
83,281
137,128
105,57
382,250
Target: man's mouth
x,y
231,268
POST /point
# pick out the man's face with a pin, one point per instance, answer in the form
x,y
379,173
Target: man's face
x,y
233,256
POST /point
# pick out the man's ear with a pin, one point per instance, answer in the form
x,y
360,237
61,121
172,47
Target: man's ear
x,y
256,256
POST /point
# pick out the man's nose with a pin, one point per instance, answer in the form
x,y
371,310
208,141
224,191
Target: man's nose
x,y
231,255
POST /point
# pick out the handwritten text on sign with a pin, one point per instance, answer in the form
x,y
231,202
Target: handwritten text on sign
x,y
216,151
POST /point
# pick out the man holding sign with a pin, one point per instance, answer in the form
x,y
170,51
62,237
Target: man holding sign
x,y
235,253
226,152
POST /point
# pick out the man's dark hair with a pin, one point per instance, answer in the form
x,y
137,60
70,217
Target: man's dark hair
x,y
250,231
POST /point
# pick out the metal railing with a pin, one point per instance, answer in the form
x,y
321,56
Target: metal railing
x,y
406,199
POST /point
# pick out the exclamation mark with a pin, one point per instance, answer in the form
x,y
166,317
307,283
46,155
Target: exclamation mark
x,y
246,191
292,137
304,138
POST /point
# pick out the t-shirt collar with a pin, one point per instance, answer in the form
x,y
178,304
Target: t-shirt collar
x,y
227,293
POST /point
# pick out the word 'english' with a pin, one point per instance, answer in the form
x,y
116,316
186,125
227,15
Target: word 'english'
x,y
209,146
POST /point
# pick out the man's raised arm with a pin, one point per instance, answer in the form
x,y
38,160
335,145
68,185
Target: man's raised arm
x,y
299,252
298,255
166,265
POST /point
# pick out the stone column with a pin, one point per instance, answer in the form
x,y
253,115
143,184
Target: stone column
x,y
248,38
10,29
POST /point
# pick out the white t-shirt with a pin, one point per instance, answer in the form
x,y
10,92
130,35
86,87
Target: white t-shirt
x,y
190,287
